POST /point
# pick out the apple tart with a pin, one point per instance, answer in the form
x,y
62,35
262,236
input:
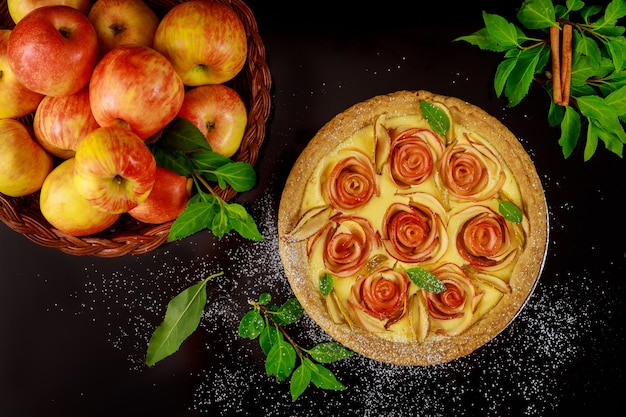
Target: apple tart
x,y
413,228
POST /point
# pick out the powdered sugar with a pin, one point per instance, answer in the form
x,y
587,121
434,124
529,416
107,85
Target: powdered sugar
x,y
512,374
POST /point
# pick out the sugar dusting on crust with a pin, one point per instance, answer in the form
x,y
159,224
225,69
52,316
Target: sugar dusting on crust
x,y
541,345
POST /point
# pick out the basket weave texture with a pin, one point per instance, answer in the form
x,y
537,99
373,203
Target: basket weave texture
x,y
127,235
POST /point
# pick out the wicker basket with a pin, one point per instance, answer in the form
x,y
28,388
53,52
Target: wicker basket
x,y
129,236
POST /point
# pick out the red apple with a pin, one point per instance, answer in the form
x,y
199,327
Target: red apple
x,y
20,8
136,87
15,100
220,114
167,199
53,50
114,169
65,209
61,122
23,163
123,22
205,41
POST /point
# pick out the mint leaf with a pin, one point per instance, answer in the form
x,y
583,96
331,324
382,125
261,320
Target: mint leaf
x,y
182,318
570,131
437,119
510,211
482,39
537,14
503,71
501,30
251,325
326,284
425,280
281,350
208,161
280,360
182,135
290,312
242,222
328,352
195,217
269,337
239,175
322,377
300,379
521,77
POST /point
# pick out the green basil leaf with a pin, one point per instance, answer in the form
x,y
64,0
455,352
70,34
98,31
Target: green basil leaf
x,y
510,211
251,325
300,379
425,280
537,14
437,119
182,318
326,284
280,360
327,352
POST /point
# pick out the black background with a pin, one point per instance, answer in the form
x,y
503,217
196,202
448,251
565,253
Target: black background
x,y
74,330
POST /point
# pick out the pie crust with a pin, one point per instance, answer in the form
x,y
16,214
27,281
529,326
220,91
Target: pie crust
x,y
413,334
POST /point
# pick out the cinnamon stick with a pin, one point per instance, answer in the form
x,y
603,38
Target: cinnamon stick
x,y
566,64
557,96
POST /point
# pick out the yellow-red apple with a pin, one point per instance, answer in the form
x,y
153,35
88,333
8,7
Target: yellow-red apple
x,y
15,100
53,50
114,169
61,122
220,114
136,87
205,41
123,22
23,163
65,209
20,8
167,199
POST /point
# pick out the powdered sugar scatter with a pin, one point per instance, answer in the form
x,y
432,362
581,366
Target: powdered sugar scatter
x,y
538,348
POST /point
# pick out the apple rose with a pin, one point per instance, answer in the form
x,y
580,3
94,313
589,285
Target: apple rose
x,y
485,240
471,171
457,302
348,242
414,152
414,232
352,182
379,299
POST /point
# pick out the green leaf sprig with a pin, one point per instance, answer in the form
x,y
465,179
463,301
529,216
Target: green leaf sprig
x,y
182,318
597,106
266,322
183,149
